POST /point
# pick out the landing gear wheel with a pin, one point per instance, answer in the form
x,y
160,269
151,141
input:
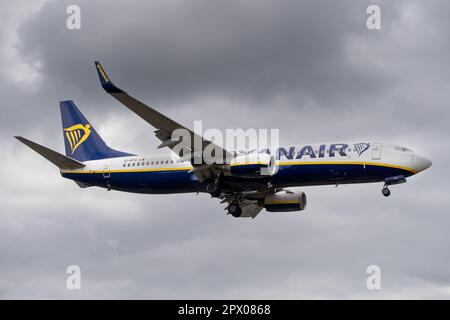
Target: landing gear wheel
x,y
213,189
385,191
235,210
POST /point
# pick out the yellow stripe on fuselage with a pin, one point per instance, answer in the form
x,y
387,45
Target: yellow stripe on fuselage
x,y
130,171
282,163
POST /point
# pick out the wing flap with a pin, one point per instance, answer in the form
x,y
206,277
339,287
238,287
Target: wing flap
x,y
250,210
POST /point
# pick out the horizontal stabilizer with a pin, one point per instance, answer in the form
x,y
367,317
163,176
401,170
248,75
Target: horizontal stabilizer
x,y
59,160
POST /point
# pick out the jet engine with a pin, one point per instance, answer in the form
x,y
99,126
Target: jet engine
x,y
284,201
253,165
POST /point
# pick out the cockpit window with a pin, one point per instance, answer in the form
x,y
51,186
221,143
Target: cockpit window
x,y
402,149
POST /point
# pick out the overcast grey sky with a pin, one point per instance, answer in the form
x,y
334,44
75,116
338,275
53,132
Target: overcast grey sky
x,y
310,68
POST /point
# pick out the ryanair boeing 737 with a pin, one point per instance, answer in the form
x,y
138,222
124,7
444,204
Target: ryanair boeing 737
x,y
247,186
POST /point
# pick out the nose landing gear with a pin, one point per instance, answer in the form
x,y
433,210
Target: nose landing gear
x,y
391,181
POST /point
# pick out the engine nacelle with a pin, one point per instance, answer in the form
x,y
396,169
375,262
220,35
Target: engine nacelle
x,y
285,201
253,165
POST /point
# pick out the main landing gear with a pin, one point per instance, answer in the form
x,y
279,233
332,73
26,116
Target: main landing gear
x,y
213,189
234,209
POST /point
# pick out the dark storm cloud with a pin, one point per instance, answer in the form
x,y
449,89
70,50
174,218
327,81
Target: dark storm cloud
x,y
309,67
176,50
307,54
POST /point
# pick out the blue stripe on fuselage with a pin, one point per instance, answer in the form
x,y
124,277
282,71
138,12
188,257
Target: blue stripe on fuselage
x,y
178,181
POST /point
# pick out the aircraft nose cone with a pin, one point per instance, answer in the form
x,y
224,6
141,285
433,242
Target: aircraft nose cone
x,y
421,163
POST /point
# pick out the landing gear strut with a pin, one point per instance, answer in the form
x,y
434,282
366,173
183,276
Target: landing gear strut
x,y
234,209
391,181
385,191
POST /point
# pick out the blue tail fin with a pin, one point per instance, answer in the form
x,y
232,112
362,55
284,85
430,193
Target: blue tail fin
x,y
81,140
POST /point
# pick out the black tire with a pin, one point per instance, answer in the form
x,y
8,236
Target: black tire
x,y
235,210
386,192
213,189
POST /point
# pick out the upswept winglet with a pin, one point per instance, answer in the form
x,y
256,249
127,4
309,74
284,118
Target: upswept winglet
x,y
105,81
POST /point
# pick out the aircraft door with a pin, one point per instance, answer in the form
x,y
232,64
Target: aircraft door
x,y
107,170
376,151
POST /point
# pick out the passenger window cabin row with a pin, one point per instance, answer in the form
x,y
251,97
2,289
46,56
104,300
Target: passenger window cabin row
x,y
148,163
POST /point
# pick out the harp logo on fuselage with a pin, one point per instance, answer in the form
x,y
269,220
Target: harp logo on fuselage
x,y
361,147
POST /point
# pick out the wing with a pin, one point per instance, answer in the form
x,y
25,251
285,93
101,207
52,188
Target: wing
x,y
165,129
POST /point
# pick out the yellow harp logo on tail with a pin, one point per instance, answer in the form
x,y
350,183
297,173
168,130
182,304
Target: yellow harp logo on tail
x,y
77,134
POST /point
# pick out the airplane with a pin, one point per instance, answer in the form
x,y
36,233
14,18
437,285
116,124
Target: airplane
x,y
247,182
